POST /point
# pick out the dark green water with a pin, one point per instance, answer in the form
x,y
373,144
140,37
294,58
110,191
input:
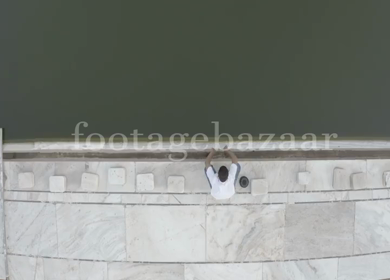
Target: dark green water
x,y
163,66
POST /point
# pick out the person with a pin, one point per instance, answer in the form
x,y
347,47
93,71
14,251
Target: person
x,y
223,183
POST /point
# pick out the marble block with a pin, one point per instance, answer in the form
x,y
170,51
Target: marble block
x,y
386,178
26,180
23,268
176,184
73,171
259,187
3,273
239,271
341,179
165,233
245,233
57,184
359,181
145,182
303,178
31,228
91,232
89,182
325,269
116,176
129,271
372,226
365,267
319,230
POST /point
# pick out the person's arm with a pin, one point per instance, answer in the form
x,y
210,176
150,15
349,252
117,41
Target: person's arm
x,y
209,158
232,156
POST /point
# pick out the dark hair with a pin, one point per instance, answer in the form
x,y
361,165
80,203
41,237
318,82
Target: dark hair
x,y
223,173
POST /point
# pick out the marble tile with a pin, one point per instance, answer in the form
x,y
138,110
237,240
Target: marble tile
x,y
319,230
193,173
102,170
280,175
42,172
380,194
73,172
223,271
301,270
28,196
129,271
313,197
145,182
165,233
278,197
60,269
117,176
57,184
372,226
176,184
31,228
3,272
259,187
245,233
195,199
22,268
89,182
375,170
91,232
303,178
341,179
241,198
364,267
322,172
104,198
26,180
132,198
356,195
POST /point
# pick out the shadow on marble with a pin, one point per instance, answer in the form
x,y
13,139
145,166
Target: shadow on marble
x,y
166,233
129,271
301,270
319,230
372,227
91,232
31,228
245,233
248,271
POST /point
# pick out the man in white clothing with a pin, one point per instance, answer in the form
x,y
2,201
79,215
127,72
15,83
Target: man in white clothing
x,y
222,184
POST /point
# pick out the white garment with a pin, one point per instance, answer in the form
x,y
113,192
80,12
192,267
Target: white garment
x,y
222,190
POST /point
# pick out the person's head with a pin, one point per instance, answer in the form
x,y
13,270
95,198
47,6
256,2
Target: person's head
x,y
223,173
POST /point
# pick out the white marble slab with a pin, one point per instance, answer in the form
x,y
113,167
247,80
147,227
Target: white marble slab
x,y
375,170
176,184
101,169
241,198
31,228
359,181
91,232
165,233
42,172
57,184
365,267
247,271
322,172
259,187
129,271
60,269
26,180
372,226
145,182
356,195
196,199
3,272
23,268
117,176
193,173
280,175
319,230
313,197
89,182
377,194
245,233
325,269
